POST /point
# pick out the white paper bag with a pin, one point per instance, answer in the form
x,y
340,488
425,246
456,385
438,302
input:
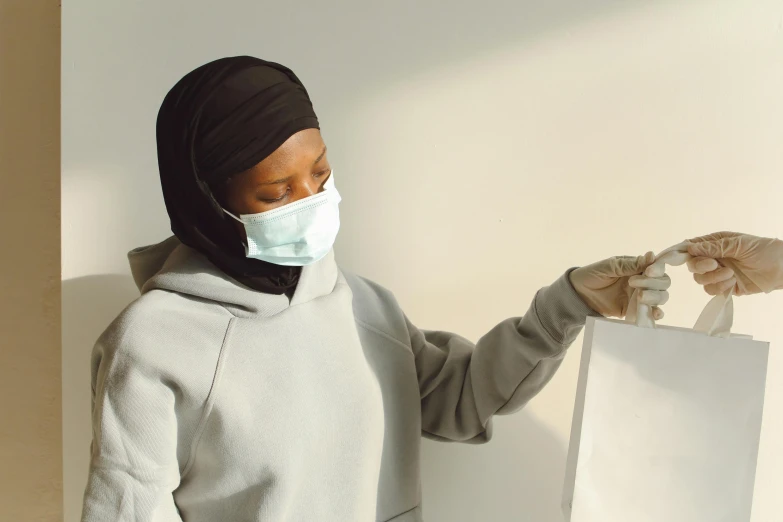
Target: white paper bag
x,y
666,422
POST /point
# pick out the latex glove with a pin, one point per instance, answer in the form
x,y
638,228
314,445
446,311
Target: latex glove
x,y
607,286
725,260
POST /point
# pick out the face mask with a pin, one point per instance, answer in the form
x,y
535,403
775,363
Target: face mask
x,y
296,234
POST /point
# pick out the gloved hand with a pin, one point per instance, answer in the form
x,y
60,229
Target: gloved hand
x,y
747,263
607,286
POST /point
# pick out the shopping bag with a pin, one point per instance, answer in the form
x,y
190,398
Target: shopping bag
x,y
666,421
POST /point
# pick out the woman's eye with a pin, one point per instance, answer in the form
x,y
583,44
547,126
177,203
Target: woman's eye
x,y
322,173
275,200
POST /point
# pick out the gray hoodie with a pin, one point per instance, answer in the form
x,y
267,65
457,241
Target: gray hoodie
x,y
213,402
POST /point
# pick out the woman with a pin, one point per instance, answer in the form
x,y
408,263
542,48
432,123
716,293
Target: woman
x,y
253,380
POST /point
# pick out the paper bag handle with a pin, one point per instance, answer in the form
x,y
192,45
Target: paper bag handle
x,y
717,317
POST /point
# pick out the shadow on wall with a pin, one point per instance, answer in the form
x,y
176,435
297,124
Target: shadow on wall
x,y
89,304
342,54
522,483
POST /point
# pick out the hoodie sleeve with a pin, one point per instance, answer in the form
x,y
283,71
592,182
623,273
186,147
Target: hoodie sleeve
x,y
133,467
463,385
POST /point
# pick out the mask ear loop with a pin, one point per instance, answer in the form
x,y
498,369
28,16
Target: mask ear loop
x,y
230,214
243,239
210,192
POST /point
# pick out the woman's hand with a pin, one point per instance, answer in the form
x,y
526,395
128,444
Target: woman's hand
x,y
746,263
607,286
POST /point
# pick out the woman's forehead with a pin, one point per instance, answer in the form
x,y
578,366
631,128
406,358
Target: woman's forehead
x,y
301,150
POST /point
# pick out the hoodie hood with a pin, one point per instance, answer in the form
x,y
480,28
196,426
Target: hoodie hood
x,y
175,267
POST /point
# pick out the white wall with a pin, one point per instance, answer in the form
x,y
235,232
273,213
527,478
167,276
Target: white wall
x,y
481,150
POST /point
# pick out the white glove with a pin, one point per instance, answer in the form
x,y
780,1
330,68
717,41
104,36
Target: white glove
x,y
746,263
607,286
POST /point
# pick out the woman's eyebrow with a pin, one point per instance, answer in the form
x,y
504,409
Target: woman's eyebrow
x,y
277,181
285,180
321,156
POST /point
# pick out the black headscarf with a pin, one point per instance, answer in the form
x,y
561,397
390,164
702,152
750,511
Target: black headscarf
x,y
219,120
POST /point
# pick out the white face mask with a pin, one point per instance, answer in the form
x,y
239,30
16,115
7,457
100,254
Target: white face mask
x,y
296,234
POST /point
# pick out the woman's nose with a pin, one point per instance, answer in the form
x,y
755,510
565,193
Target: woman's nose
x,y
315,186
309,188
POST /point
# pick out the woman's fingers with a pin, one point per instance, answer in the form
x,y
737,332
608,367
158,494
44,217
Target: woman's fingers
x,y
653,297
720,287
651,283
702,265
716,276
